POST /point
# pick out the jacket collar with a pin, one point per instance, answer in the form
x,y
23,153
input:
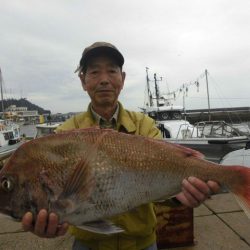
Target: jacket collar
x,y
124,120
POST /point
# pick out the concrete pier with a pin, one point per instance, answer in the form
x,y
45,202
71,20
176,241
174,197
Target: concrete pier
x,y
219,224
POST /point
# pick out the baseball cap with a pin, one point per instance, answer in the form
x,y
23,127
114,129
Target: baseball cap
x,y
100,48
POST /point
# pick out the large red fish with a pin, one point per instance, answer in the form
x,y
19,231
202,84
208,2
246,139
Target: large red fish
x,y
93,174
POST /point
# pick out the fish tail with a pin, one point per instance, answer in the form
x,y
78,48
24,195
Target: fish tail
x,y
241,187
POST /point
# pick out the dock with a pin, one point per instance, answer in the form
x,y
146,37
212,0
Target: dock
x,y
219,224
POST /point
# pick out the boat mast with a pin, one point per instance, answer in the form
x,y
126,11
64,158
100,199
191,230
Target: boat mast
x,y
1,86
184,105
156,91
208,100
151,104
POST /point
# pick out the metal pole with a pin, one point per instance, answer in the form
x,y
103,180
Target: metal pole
x,y
184,105
208,100
149,92
1,85
156,91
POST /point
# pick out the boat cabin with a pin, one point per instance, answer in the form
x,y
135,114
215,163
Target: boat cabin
x,y
10,133
46,129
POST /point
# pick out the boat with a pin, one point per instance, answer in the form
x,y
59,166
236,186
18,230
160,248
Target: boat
x,y
214,139
46,129
10,131
240,157
10,137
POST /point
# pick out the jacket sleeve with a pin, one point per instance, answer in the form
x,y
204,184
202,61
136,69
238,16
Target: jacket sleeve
x,y
148,128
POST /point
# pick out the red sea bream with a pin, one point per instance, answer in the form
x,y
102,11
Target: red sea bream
x,y
88,175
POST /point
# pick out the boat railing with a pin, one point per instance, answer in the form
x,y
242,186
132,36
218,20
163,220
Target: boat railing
x,y
187,130
217,129
207,129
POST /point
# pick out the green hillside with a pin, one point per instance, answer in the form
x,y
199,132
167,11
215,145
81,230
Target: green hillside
x,y
23,102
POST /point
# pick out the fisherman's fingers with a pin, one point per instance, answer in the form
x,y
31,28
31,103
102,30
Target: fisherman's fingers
x,y
27,222
54,229
186,199
214,187
47,225
41,223
62,229
200,189
192,201
51,230
195,190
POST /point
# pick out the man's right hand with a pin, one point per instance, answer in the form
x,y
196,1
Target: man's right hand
x,y
46,225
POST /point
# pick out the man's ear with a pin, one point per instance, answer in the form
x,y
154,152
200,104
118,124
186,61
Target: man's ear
x,y
82,78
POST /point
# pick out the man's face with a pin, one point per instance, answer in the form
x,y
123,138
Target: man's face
x,y
103,81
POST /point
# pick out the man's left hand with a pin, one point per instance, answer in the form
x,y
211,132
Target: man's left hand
x,y
195,191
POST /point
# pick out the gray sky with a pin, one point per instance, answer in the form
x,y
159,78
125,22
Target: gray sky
x,y
41,43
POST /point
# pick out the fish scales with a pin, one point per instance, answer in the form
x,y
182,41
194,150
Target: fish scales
x,y
90,174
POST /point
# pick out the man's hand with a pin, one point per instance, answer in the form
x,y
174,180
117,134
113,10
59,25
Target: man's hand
x,y
46,225
195,191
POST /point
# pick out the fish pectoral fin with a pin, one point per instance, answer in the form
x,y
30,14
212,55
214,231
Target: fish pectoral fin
x,y
101,227
70,205
80,184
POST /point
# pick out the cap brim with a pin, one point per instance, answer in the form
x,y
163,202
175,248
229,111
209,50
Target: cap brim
x,y
108,51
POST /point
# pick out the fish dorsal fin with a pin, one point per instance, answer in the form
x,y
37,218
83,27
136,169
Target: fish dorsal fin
x,y
185,150
189,151
101,227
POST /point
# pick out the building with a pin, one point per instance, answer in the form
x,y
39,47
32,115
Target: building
x,y
21,114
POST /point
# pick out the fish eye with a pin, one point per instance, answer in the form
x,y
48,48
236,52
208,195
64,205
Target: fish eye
x,y
7,184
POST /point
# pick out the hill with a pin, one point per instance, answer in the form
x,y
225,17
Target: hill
x,y
23,102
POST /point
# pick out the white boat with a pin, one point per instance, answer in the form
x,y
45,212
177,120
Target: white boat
x,y
212,138
7,150
239,157
9,131
46,129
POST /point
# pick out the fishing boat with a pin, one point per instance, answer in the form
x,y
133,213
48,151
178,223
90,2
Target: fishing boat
x,y
46,129
214,139
10,137
10,131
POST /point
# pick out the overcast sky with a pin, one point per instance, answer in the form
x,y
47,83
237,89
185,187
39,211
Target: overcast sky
x,y
41,43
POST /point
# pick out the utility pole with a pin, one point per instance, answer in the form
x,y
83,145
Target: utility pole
x,y
208,100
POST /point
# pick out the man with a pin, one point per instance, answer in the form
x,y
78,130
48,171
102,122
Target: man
x,y
101,75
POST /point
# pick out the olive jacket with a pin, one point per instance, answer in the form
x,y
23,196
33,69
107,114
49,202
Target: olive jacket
x,y
140,223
